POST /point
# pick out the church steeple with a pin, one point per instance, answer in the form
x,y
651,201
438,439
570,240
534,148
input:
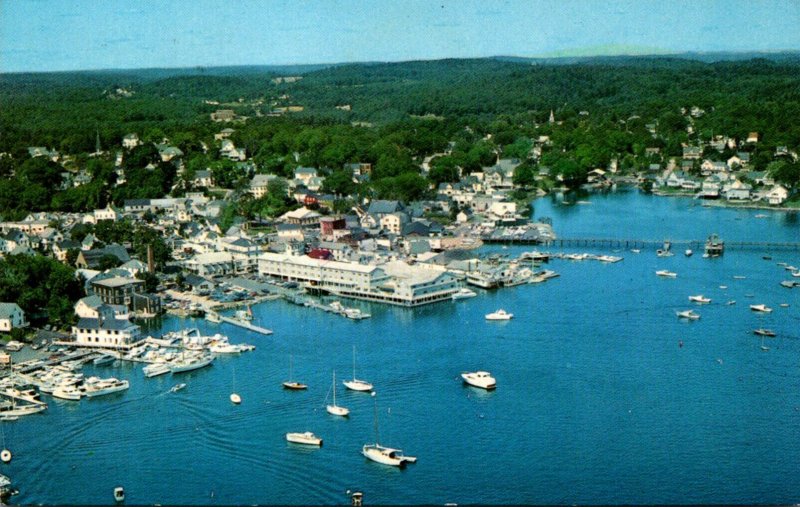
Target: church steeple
x,y
552,117
97,143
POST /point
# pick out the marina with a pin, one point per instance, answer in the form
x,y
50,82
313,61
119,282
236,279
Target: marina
x,y
570,331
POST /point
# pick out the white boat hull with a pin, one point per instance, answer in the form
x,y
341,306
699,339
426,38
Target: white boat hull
x,y
483,381
306,438
358,385
384,455
155,369
111,389
190,366
335,410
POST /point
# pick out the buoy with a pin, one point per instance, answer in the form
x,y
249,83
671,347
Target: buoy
x,y
5,455
119,494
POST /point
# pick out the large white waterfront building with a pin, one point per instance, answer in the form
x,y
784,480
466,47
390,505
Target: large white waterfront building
x,y
393,282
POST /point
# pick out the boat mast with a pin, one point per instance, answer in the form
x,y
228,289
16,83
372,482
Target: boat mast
x,y
377,437
334,388
354,362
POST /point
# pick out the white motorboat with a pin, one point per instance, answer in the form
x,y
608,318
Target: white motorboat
x,y
761,308
688,253
103,360
229,348
609,258
181,365
796,274
235,398
306,438
764,332
699,299
464,293
292,384
499,315
356,314
155,369
664,253
67,392
356,384
666,274
482,379
335,409
688,314
94,386
177,387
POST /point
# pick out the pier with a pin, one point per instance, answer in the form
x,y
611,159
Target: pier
x,y
695,244
245,325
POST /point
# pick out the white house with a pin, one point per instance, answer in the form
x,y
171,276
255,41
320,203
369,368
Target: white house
x,y
11,316
738,190
393,222
92,307
106,331
777,195
131,141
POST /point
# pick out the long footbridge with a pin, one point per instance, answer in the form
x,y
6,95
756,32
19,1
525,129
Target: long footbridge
x,y
693,244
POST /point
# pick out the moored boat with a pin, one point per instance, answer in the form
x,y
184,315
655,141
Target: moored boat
x,y
764,332
155,369
699,299
482,379
666,274
464,293
306,438
761,308
99,387
356,384
190,364
499,315
688,314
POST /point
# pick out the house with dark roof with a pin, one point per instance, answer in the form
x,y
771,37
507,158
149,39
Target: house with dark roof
x,y
91,259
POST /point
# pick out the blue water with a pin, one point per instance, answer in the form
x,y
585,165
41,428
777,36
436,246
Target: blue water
x,y
596,401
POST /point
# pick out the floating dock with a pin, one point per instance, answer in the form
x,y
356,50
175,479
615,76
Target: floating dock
x,y
245,325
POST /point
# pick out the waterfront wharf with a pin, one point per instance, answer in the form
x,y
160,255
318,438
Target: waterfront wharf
x,y
77,355
646,243
245,325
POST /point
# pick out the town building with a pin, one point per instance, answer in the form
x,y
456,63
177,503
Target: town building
x,y
11,317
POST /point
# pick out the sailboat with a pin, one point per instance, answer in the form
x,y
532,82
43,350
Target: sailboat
x,y
334,409
384,455
291,384
235,398
355,384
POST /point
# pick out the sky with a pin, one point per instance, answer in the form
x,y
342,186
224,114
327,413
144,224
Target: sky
x,y
57,35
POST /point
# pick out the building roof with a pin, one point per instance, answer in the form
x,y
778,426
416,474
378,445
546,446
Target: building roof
x,y
8,309
384,207
117,281
107,324
91,301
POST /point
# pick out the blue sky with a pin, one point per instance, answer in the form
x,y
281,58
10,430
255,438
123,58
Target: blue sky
x,y
52,35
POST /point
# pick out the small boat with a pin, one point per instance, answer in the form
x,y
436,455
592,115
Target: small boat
x,y
636,250
103,360
356,384
784,305
688,314
499,315
699,299
235,398
356,314
761,308
666,274
790,268
306,438
764,332
664,253
155,369
796,274
789,284
291,384
335,409
609,258
688,253
739,277
177,387
464,293
731,302
384,455
723,287
482,379
119,494
760,215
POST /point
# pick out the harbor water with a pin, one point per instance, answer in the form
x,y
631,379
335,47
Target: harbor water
x,y
603,394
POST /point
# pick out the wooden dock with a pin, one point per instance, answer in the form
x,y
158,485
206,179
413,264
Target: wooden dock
x,y
694,244
245,325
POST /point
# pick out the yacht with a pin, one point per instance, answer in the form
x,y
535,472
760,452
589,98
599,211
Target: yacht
x,y
293,384
67,392
699,299
482,379
335,409
306,438
356,384
464,293
761,308
155,369
385,455
666,274
103,360
94,386
193,363
688,314
499,315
